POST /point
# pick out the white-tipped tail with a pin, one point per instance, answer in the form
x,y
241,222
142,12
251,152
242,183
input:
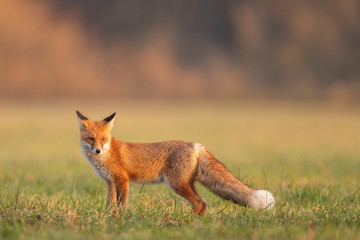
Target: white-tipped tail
x,y
262,199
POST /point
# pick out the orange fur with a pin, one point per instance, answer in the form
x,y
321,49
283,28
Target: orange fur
x,y
178,163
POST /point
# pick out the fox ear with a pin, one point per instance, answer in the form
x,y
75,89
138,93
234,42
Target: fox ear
x,y
81,117
109,121
81,120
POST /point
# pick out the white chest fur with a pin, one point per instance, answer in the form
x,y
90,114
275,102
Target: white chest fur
x,y
97,162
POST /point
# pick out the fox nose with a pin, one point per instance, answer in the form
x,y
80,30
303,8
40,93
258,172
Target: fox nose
x,y
97,151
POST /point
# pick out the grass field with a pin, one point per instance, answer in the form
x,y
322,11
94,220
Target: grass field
x,y
308,155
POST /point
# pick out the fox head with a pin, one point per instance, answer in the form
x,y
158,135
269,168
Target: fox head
x,y
95,135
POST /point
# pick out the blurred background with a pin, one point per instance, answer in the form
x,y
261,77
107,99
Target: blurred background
x,y
88,49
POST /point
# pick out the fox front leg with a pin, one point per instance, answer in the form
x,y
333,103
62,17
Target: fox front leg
x,y
111,194
122,190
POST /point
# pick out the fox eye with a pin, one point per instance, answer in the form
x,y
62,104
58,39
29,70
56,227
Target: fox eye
x,y
103,139
91,138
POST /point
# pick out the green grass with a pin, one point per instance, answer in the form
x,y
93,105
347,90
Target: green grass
x,y
308,156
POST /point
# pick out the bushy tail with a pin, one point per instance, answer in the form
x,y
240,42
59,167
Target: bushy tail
x,y
218,179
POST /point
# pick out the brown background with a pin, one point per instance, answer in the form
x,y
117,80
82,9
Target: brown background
x,y
180,49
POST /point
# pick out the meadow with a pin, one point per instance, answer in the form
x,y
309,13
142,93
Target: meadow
x,y
308,155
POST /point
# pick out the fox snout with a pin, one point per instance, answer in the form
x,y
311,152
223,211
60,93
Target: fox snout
x,y
94,149
97,150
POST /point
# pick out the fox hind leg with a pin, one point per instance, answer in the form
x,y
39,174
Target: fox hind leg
x,y
201,203
188,191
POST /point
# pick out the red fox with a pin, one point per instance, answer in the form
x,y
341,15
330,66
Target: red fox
x,y
177,163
